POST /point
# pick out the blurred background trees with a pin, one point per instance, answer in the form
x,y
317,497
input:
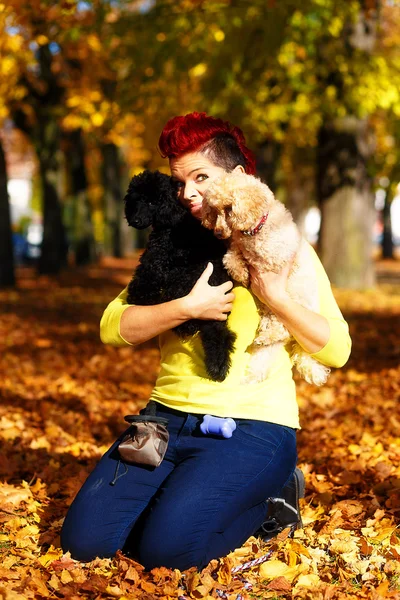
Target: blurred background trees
x,y
88,85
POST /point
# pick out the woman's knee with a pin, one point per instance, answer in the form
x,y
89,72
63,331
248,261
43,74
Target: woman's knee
x,y
171,551
85,541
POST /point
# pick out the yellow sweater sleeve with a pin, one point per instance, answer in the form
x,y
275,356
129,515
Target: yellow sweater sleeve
x,y
334,354
110,321
337,350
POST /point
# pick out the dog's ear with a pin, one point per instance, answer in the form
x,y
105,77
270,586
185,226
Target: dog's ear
x,y
169,210
137,206
221,228
209,216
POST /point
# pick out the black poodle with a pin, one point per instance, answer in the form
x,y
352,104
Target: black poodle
x,y
177,253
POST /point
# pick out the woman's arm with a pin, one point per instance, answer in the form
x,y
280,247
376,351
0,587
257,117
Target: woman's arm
x,y
310,329
130,324
325,334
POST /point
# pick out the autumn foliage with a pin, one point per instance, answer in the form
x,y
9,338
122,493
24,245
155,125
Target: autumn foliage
x,y
63,398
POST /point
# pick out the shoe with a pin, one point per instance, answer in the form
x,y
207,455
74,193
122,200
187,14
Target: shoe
x,y
284,511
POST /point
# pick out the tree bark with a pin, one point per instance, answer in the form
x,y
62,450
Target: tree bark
x,y
300,185
267,159
113,204
82,227
7,273
45,134
347,203
298,201
387,239
54,248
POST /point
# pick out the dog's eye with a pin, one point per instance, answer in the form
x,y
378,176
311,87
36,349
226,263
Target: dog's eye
x,y
228,210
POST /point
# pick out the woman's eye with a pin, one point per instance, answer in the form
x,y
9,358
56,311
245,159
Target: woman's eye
x,y
201,177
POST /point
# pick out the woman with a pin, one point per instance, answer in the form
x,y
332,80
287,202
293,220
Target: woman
x,y
209,494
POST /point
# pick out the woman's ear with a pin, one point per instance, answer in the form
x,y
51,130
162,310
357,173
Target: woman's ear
x,y
239,168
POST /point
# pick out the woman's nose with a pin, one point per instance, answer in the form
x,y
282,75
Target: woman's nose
x,y
190,192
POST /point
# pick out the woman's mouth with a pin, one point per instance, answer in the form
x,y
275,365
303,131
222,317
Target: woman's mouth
x,y
196,208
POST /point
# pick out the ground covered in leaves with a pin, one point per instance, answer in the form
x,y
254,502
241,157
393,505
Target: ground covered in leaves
x,y
63,397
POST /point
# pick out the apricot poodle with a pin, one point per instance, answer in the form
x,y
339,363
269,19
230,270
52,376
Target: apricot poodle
x,y
262,233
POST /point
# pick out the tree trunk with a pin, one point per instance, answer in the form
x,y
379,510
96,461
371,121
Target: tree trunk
x,y
113,201
347,203
82,227
267,159
300,184
44,101
54,248
7,276
298,202
387,239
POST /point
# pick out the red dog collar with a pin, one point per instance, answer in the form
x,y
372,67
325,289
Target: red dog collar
x,y
257,228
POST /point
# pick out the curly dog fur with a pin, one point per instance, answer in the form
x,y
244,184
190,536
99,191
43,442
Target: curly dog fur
x,y
233,206
177,253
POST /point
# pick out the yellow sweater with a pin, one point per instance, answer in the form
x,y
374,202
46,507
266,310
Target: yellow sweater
x,y
182,383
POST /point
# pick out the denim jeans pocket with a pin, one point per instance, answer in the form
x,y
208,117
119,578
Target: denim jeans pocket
x,y
263,433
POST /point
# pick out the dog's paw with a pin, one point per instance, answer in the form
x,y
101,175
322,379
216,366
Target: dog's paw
x,y
308,367
237,271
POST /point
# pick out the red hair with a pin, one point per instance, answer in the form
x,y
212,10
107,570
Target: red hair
x,y
191,132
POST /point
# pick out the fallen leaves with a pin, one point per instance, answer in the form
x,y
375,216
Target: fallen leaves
x,y
63,398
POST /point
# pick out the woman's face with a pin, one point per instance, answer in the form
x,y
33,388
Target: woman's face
x,y
193,173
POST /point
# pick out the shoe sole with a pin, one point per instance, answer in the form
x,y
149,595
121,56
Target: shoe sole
x,y
271,528
300,485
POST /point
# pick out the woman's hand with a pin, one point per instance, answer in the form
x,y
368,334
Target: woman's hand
x,y
209,301
269,287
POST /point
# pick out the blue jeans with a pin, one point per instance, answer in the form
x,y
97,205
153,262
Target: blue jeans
x,y
204,500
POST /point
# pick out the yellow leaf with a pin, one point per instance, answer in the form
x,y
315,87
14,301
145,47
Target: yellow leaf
x,y
42,40
272,569
132,575
343,546
7,64
39,584
114,590
51,554
27,531
383,588
54,582
198,70
225,571
299,548
43,343
95,96
74,101
14,495
97,119
292,558
148,587
277,568
40,442
94,42
309,580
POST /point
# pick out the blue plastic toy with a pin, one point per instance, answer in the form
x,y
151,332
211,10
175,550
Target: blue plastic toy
x,y
218,426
